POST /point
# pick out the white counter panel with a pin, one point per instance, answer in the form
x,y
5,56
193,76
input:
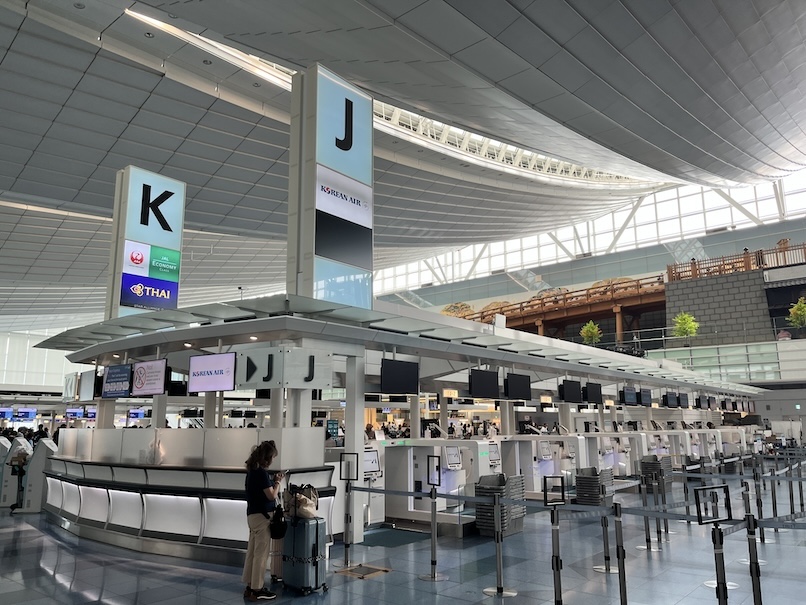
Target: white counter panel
x,y
225,519
94,504
172,514
57,466
68,439
74,469
72,499
234,481
107,445
139,446
83,443
126,509
228,447
180,447
130,475
175,478
97,472
54,496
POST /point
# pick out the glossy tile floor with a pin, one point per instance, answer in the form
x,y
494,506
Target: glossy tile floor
x,y
41,564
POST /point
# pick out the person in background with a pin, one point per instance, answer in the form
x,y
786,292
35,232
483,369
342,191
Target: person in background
x,y
41,433
262,489
56,433
369,432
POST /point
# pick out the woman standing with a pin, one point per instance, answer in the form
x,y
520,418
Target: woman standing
x,y
262,489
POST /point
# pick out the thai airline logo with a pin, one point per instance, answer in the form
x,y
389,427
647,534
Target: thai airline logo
x,y
140,290
137,257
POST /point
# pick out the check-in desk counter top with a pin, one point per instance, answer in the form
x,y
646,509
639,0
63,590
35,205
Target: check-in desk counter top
x,y
178,510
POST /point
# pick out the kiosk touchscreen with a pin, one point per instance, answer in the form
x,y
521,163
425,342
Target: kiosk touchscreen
x,y
372,463
495,455
453,458
544,447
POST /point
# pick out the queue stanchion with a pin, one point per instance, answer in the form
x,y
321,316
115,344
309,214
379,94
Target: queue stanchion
x,y
774,494
800,484
752,547
498,590
642,487
713,496
621,555
606,546
663,501
791,483
686,495
434,480
348,472
550,499
759,502
656,499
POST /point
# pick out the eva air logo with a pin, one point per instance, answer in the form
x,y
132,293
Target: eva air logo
x,y
138,289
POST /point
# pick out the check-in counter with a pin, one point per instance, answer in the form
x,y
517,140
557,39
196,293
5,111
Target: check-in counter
x,y
537,456
620,451
169,491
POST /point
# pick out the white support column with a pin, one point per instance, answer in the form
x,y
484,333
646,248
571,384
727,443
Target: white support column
x,y
299,408
158,410
503,410
354,436
414,410
106,414
260,418
276,410
210,402
220,414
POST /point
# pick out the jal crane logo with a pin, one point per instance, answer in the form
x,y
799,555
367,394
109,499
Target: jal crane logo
x,y
136,257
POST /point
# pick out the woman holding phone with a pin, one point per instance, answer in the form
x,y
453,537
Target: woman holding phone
x,y
262,489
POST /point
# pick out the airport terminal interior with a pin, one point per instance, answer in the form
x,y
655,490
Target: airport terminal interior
x,y
516,287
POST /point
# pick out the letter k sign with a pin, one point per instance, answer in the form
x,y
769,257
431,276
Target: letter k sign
x,y
148,205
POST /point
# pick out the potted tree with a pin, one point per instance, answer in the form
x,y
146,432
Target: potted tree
x,y
591,333
797,315
685,326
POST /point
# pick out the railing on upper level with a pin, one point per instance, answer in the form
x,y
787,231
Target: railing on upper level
x,y
782,256
612,292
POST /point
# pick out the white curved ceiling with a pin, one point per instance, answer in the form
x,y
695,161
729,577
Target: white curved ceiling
x,y
84,92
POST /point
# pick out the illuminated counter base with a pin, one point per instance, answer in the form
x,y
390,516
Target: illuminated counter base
x,y
177,512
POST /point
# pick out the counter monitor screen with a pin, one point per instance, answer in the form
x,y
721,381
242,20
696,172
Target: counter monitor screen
x,y
724,404
628,396
137,414
670,400
150,378
6,413
92,414
74,412
645,397
484,384
86,386
372,462
117,381
518,386
400,377
712,403
571,391
26,413
683,400
453,458
211,373
495,453
592,393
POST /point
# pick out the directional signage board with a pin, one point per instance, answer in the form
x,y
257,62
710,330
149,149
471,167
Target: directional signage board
x,y
260,369
146,247
284,367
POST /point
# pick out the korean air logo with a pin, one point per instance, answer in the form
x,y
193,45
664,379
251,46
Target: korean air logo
x,y
136,257
138,289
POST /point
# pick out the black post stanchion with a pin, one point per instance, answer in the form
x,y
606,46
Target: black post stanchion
x,y
348,491
606,545
642,487
791,483
498,590
621,555
702,472
800,484
753,561
718,539
686,494
774,494
434,479
663,501
656,499
759,502
556,561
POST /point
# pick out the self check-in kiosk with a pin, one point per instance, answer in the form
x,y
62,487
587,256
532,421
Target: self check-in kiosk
x,y
373,478
18,456
617,450
34,485
537,456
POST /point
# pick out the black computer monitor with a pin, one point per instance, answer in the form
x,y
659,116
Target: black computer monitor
x,y
570,391
484,384
592,393
400,377
518,386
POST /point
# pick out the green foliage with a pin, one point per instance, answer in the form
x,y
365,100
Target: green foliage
x,y
685,325
590,333
797,314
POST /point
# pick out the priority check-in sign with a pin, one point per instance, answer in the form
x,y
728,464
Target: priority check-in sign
x,y
147,243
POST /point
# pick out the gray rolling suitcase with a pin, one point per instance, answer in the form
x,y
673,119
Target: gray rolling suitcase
x,y
304,555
